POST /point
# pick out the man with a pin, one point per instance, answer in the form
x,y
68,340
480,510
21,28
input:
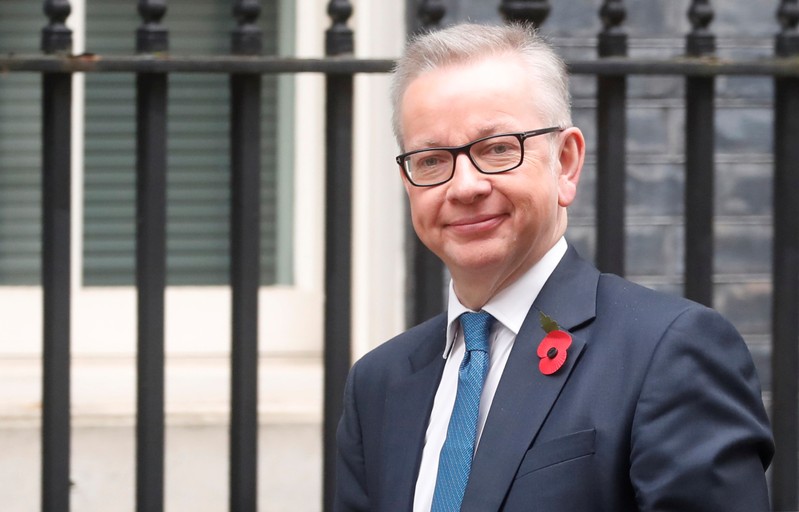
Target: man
x,y
546,385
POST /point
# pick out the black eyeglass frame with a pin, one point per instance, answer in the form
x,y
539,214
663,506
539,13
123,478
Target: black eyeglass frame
x,y
466,148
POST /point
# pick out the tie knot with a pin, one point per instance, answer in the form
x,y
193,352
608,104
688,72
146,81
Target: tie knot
x,y
476,328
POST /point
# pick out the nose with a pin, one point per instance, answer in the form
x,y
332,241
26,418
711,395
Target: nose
x,y
467,184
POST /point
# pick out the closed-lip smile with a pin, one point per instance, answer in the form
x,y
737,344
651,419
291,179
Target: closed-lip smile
x,y
476,224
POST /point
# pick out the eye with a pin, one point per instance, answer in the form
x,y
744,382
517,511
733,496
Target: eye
x,y
429,161
499,148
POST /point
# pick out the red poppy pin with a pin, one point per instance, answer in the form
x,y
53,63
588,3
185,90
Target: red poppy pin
x,y
552,349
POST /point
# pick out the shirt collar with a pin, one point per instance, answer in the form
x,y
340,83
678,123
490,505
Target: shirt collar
x,y
511,305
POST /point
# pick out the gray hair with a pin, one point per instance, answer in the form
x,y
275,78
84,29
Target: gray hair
x,y
465,42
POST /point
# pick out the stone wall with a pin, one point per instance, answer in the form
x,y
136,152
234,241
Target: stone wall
x,y
655,150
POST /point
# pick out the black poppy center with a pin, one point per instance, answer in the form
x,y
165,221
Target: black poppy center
x,y
552,352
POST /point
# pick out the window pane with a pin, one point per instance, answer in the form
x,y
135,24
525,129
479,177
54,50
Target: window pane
x,y
21,22
198,171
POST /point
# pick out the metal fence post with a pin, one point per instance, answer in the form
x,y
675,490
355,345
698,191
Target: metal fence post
x,y
151,133
56,224
425,287
531,11
699,161
785,303
611,149
429,13
245,188
338,237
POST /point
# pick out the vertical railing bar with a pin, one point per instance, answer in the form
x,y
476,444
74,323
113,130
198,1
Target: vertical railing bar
x,y
611,145
525,11
699,162
425,287
56,247
429,14
338,238
245,187
151,134
785,272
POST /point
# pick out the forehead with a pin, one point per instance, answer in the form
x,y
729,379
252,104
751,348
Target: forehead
x,y
478,77
460,102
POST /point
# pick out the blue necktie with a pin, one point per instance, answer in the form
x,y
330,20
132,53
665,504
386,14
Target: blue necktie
x,y
455,461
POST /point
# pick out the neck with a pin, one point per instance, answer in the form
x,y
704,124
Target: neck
x,y
475,287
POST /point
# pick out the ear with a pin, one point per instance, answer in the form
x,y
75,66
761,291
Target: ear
x,y
570,164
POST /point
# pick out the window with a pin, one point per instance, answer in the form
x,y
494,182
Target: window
x,y
198,150
20,148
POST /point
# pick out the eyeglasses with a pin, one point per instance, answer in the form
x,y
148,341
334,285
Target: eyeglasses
x,y
490,155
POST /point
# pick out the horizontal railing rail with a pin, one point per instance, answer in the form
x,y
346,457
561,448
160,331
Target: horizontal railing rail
x,y
166,63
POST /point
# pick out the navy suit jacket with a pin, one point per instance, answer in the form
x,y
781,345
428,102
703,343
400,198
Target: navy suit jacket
x,y
657,408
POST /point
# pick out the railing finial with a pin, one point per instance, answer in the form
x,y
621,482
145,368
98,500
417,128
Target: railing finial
x,y
788,37
56,36
151,36
700,41
430,13
528,11
246,38
339,38
612,39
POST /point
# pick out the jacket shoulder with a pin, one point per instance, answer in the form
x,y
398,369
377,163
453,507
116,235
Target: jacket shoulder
x,y
421,342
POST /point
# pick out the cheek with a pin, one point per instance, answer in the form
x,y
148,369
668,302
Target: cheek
x,y
534,209
421,218
424,207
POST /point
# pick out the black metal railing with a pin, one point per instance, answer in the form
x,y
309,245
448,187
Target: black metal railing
x,y
56,222
245,67
338,235
785,270
151,157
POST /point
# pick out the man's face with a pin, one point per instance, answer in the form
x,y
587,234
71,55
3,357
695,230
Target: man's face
x,y
487,229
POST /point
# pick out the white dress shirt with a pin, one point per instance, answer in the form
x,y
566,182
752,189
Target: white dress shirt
x,y
509,308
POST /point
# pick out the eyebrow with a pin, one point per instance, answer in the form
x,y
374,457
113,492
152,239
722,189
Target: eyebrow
x,y
486,131
492,130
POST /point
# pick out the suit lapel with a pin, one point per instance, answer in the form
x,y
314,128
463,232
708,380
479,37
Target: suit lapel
x,y
407,412
525,396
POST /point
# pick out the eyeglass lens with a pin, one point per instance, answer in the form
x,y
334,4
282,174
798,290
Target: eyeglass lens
x,y
491,155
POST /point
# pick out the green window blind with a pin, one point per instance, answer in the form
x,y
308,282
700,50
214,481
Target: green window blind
x,y
198,149
21,22
198,173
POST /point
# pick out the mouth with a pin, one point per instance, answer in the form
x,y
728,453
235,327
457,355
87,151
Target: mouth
x,y
475,225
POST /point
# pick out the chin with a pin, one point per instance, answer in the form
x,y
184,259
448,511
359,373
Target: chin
x,y
475,262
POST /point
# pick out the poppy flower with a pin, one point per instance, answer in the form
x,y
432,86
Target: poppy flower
x,y
552,351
